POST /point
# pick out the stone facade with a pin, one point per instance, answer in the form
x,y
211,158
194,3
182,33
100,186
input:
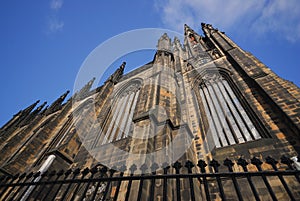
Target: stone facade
x,y
206,98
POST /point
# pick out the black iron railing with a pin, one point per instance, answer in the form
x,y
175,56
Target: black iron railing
x,y
176,182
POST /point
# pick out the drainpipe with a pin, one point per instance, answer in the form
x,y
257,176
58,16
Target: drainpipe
x,y
45,166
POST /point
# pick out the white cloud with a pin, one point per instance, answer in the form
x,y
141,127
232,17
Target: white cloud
x,y
257,16
56,4
281,17
55,25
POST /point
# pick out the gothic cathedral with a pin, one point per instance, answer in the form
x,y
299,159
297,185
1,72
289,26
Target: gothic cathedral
x,y
202,99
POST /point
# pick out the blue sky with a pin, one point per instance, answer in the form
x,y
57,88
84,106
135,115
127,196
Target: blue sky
x,y
44,43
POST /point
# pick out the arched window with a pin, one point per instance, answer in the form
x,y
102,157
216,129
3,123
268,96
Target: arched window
x,y
228,121
119,122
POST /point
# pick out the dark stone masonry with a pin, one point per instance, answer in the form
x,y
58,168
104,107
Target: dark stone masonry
x,y
202,99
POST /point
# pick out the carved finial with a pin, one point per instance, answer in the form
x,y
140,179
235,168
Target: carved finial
x,y
30,117
56,105
30,108
164,43
115,77
20,116
62,97
85,89
123,65
207,27
41,106
186,29
176,43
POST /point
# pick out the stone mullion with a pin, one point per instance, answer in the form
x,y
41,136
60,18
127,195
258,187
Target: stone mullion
x,y
227,112
107,134
235,113
215,118
242,112
125,115
132,108
211,126
119,113
221,116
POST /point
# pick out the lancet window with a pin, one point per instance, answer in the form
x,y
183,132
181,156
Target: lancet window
x,y
119,123
228,121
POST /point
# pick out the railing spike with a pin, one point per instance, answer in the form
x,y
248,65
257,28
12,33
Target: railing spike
x,y
68,172
165,166
94,170
272,162
242,162
229,164
76,171
22,176
123,168
215,164
177,165
154,167
133,168
85,171
189,165
255,161
103,170
202,164
144,167
112,170
287,161
37,174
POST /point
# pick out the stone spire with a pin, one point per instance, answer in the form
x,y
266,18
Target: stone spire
x,y
187,30
191,35
208,29
40,107
20,116
164,43
32,115
176,44
26,112
115,77
85,90
56,105
30,108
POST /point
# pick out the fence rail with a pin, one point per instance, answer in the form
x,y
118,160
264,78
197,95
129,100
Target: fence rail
x,y
179,181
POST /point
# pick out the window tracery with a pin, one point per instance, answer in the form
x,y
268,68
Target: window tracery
x,y
228,121
120,118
